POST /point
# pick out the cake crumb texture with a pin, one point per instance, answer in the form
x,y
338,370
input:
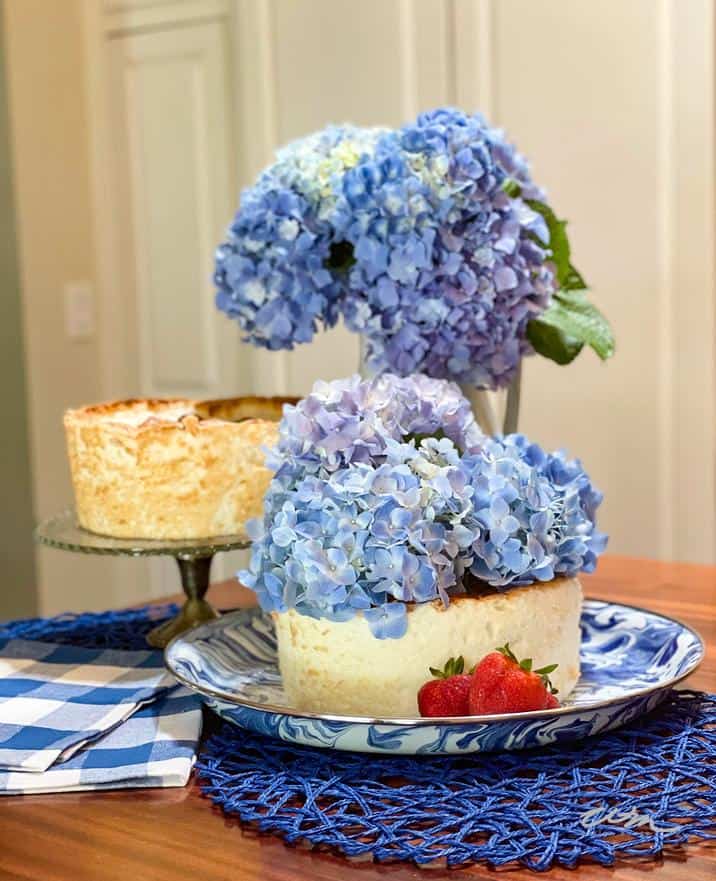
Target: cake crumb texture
x,y
158,470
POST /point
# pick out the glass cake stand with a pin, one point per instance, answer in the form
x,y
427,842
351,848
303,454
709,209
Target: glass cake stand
x,y
193,557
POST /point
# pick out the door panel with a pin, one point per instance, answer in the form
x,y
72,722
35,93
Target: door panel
x,y
173,134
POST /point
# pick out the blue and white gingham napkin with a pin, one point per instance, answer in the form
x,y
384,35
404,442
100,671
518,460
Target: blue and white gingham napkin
x,y
75,718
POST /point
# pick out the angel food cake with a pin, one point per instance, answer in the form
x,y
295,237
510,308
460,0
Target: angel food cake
x,y
397,539
170,468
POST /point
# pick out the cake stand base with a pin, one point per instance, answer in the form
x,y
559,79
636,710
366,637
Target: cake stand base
x,y
194,557
195,581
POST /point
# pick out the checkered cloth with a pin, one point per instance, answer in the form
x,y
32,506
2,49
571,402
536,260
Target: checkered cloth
x,y
76,718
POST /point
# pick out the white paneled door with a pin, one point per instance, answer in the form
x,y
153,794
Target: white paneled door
x,y
171,101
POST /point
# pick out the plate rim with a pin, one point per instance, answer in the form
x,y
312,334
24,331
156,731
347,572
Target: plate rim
x,y
424,721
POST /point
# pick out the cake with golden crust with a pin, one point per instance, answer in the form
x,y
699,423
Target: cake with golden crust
x,y
171,468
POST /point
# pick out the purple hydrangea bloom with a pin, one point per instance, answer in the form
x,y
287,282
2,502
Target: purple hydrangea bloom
x,y
353,420
408,233
464,271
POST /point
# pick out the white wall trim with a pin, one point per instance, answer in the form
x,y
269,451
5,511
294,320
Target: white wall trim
x,y
408,59
129,16
255,83
428,64
667,392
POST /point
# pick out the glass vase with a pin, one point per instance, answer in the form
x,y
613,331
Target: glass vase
x,y
495,412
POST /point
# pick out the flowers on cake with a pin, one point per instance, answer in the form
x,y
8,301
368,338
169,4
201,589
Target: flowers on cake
x,y
365,538
386,493
430,240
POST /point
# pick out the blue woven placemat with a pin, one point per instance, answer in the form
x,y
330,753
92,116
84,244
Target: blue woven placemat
x,y
637,792
125,629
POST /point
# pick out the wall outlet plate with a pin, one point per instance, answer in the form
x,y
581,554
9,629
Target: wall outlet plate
x,y
79,310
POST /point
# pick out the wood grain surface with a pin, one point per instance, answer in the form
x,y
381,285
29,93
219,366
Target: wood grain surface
x,y
169,835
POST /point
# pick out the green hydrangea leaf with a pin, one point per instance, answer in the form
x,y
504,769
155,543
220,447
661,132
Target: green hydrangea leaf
x,y
574,280
549,341
569,278
593,324
571,322
578,319
558,240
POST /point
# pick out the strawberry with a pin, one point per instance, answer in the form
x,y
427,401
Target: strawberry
x,y
502,684
446,694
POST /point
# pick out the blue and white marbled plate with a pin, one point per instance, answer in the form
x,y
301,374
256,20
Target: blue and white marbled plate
x,y
630,659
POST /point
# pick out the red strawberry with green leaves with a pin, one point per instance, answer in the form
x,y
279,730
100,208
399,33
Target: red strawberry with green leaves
x,y
502,684
447,693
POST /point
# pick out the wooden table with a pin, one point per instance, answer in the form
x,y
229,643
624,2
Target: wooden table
x,y
167,835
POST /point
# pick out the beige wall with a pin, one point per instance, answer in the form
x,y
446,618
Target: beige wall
x,y
50,154
602,165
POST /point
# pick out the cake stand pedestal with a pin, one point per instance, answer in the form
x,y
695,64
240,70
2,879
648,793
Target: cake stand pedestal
x,y
193,557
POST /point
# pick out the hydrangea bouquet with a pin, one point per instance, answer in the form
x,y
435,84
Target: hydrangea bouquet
x,y
431,241
386,493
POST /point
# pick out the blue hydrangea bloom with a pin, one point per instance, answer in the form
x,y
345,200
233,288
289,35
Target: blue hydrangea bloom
x,y
408,234
534,513
447,279
365,537
272,271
